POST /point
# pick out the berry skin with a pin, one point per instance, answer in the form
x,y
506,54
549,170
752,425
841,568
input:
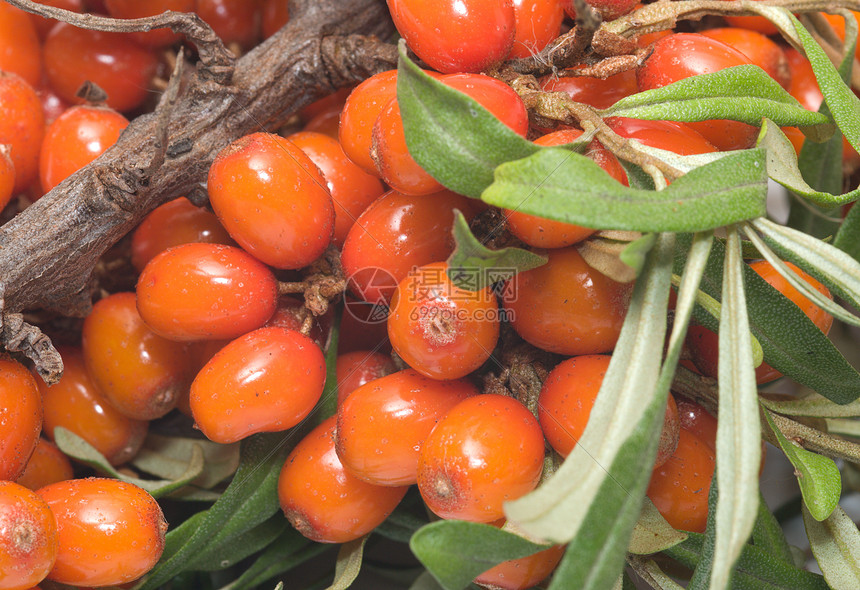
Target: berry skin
x,y
234,21
248,182
537,23
275,14
565,306
158,38
47,465
44,25
436,31
76,138
20,418
7,176
440,330
266,381
382,425
140,373
525,572
486,451
22,126
357,367
171,224
679,488
352,189
682,55
323,501
110,532
113,61
76,404
665,135
759,49
360,111
28,537
205,292
600,94
19,45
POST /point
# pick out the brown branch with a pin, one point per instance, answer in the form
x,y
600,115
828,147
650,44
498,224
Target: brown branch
x,y
47,252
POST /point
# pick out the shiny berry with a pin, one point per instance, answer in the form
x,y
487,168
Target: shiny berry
x,y
28,537
20,418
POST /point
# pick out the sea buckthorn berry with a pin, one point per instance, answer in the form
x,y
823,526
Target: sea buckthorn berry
x,y
7,176
565,306
525,572
546,233
22,126
608,9
157,38
322,500
140,373
358,367
363,326
698,420
382,425
266,381
396,233
75,139
761,51
291,313
52,105
753,23
47,465
352,189
679,488
114,62
664,135
330,102
76,404
234,21
275,14
495,96
537,23
669,433
171,224
110,532
486,451
360,111
600,94
682,55
44,25
248,182
328,123
28,537
439,329
20,418
19,45
704,344
205,292
435,32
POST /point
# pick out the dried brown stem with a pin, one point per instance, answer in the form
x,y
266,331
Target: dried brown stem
x,y
47,252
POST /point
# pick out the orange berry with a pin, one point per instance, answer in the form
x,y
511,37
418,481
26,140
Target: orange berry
x,y
20,418
47,465
28,537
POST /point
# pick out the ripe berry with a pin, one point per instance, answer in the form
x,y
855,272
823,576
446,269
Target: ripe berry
x,y
205,291
234,21
759,49
436,31
486,451
565,306
382,425
357,367
291,314
682,55
537,23
600,94
247,184
7,176
664,135
140,373
44,25
113,61
275,14
76,138
266,381
110,532
157,38
525,572
754,23
28,537
76,404
360,111
22,126
47,465
174,223
439,329
19,45
324,502
20,418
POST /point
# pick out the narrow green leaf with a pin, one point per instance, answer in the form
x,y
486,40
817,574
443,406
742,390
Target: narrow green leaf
x,y
473,266
843,427
595,497
75,446
456,551
848,237
652,533
768,534
742,93
835,543
247,543
168,457
812,404
651,573
701,578
636,177
738,430
818,476
348,565
450,135
635,253
288,551
565,186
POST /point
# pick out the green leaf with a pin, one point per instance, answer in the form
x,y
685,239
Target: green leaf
x,y
348,565
652,575
812,404
450,135
565,186
168,457
652,534
742,93
848,236
835,543
768,534
473,266
792,344
738,430
76,447
250,499
455,551
843,427
818,476
595,497
635,253
425,581
288,551
224,555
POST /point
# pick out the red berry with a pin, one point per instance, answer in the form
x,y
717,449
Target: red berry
x,y
357,367
157,38
19,45
537,23
28,537
47,465
20,418
22,126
